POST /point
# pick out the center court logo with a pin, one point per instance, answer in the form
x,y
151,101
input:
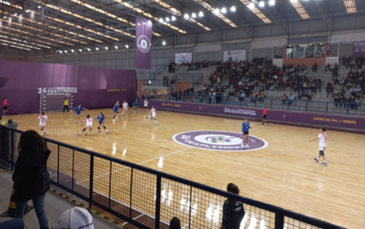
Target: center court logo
x,y
218,140
144,44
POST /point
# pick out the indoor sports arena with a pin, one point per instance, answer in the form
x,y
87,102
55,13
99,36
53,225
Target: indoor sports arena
x,y
170,114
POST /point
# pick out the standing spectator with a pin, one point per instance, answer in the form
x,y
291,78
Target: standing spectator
x,y
31,178
284,98
291,99
167,81
242,96
5,106
164,81
175,223
233,211
14,223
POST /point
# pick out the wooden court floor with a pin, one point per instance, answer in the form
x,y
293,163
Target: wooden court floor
x,y
283,174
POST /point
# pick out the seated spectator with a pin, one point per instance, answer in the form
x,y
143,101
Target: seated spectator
x,y
314,67
262,96
253,98
74,218
12,124
31,178
3,123
284,98
336,100
290,99
175,223
242,96
233,210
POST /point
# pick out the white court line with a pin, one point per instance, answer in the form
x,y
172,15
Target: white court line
x,y
135,218
120,202
126,167
186,224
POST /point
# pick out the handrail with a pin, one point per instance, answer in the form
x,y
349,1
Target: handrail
x,y
280,213
159,70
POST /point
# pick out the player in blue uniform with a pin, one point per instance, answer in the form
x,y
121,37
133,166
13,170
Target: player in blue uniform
x,y
101,119
115,109
245,132
135,104
78,110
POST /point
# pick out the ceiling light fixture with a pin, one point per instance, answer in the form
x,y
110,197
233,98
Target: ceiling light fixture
x,y
193,15
186,16
272,2
163,42
160,20
173,18
251,6
116,47
106,48
201,14
261,4
223,10
233,9
97,49
80,50
167,19
39,6
72,50
127,46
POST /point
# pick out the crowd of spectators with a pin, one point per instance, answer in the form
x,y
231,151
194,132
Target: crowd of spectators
x,y
245,79
199,65
353,63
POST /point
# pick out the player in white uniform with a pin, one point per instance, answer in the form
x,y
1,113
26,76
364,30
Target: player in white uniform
x,y
153,114
42,122
125,108
89,125
322,145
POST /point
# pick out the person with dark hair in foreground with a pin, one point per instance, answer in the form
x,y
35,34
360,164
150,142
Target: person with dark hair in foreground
x,y
175,223
233,211
31,178
322,145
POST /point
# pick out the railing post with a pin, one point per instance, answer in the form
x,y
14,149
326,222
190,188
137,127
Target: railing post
x,y
110,183
12,150
58,164
130,195
191,194
279,220
306,106
158,202
73,168
91,185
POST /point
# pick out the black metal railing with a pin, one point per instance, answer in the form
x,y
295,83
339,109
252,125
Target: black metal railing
x,y
145,197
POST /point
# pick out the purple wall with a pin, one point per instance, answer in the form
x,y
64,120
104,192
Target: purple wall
x,y
274,115
94,85
358,49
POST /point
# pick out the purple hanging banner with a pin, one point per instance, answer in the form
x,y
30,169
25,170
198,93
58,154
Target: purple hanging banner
x,y
358,49
143,43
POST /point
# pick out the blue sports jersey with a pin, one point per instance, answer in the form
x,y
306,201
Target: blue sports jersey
x,y
100,118
245,127
135,104
115,108
78,110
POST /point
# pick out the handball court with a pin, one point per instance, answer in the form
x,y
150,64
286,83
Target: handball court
x,y
283,174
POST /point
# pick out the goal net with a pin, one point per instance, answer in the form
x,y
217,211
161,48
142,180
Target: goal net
x,y
54,103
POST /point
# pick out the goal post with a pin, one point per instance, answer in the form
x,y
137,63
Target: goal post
x,y
52,99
